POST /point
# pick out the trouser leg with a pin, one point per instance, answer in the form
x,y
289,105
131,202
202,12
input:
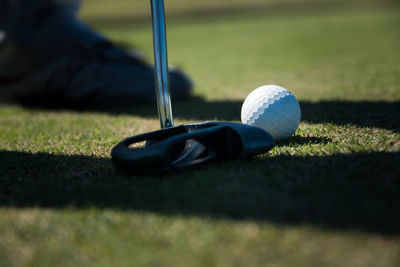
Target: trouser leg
x,y
32,37
34,25
16,12
3,14
51,58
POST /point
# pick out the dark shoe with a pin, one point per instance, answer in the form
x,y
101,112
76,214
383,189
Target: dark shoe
x,y
84,71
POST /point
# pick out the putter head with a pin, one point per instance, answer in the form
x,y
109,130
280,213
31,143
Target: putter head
x,y
189,145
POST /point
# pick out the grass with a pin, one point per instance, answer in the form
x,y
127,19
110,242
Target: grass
x,y
329,196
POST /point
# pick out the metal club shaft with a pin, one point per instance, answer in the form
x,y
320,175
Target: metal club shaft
x,y
161,64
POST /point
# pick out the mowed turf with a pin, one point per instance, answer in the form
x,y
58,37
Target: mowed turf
x,y
329,196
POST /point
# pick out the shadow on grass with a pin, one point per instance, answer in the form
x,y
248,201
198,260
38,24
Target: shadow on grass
x,y
357,192
299,140
363,114
378,114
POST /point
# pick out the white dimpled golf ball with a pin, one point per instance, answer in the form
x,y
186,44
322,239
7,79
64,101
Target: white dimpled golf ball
x,y
274,109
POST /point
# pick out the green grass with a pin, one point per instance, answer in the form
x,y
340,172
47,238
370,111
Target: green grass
x,y
329,196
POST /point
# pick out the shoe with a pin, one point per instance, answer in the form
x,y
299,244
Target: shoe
x,y
66,64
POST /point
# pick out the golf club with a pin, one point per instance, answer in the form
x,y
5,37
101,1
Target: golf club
x,y
161,64
185,146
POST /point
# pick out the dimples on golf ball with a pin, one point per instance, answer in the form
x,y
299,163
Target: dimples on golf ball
x,y
274,109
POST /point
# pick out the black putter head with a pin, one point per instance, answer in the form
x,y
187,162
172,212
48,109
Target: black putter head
x,y
189,145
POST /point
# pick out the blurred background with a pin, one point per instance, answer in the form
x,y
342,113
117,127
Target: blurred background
x,y
128,10
318,49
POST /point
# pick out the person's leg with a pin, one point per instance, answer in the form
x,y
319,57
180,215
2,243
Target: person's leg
x,y
3,13
21,56
52,58
3,19
47,29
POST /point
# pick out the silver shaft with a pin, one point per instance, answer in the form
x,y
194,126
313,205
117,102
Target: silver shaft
x,y
161,64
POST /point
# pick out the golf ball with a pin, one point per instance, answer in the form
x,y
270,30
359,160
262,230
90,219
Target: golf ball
x,y
274,109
